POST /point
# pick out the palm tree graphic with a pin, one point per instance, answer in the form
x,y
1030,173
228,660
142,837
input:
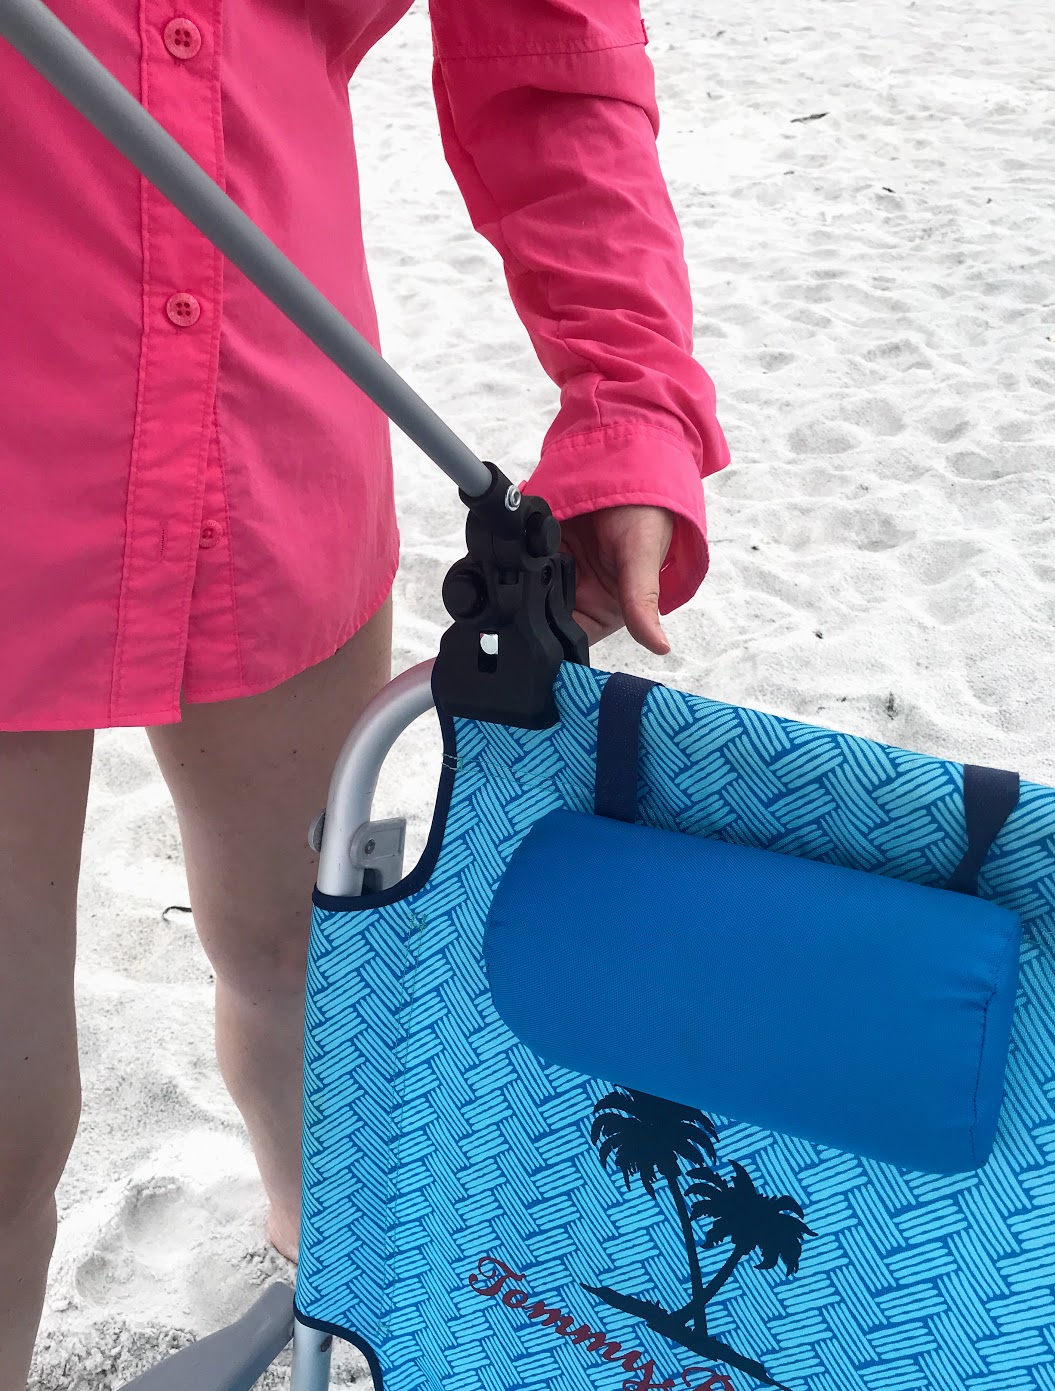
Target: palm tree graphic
x,y
750,1220
653,1138
650,1137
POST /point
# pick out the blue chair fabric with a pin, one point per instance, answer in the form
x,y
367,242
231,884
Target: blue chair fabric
x,y
477,1219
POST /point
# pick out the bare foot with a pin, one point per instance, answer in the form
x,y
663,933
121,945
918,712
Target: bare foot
x,y
286,1243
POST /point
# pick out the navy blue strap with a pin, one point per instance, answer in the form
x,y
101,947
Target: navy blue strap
x,y
989,797
618,739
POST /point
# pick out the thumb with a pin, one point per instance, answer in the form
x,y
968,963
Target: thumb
x,y
639,598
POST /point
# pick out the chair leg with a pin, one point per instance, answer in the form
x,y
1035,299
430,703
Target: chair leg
x,y
311,1358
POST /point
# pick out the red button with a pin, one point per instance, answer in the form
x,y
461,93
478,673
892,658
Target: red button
x,y
211,533
182,38
183,309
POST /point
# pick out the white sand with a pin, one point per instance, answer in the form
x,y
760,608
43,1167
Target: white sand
x,y
873,298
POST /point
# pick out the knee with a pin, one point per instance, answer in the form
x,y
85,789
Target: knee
x,y
36,1135
262,957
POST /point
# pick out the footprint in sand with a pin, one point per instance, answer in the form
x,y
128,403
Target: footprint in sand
x,y
800,314
1043,374
866,527
146,1238
875,414
955,601
946,425
900,354
771,361
823,437
983,468
189,1251
1015,429
177,1260
933,561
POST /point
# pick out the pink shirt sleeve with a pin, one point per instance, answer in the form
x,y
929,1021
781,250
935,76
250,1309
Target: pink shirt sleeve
x,y
548,117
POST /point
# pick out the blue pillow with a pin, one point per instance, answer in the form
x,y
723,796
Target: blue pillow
x,y
847,1008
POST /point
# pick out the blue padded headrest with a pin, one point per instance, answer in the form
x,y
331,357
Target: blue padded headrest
x,y
845,1007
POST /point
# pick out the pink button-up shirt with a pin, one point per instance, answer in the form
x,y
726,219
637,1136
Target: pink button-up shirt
x,y
193,499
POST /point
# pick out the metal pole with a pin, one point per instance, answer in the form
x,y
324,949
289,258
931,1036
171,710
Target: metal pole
x,y
60,57
311,1358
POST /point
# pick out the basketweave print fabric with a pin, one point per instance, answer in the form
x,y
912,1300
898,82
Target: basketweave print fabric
x,y
477,1220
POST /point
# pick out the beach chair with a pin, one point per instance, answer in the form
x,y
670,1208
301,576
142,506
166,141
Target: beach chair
x,y
702,1048
476,1217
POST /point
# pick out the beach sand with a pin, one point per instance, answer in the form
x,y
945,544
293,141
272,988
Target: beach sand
x,y
874,296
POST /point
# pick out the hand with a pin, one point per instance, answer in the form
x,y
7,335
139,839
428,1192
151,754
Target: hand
x,y
618,553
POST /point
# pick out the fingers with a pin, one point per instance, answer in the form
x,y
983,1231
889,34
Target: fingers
x,y
618,553
594,630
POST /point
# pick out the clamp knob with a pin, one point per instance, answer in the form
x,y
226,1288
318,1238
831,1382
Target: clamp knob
x,y
464,592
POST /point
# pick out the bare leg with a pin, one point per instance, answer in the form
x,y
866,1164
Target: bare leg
x,y
43,792
246,777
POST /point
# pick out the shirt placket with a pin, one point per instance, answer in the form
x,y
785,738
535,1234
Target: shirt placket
x,y
182,291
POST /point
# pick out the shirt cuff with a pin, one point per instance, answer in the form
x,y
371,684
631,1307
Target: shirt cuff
x,y
640,464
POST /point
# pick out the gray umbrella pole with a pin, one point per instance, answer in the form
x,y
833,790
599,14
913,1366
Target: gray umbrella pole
x,y
60,57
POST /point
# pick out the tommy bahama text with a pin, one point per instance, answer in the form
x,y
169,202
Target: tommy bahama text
x,y
494,1280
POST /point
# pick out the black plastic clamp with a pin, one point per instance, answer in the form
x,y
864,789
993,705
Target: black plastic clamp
x,y
512,598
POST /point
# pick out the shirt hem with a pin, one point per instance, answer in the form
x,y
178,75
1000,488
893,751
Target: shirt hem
x,y
173,715
58,724
211,695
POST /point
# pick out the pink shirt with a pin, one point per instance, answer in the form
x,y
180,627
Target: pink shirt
x,y
195,499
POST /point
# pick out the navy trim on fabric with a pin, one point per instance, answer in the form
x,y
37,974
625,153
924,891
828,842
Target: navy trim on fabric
x,y
419,876
990,795
346,1336
619,745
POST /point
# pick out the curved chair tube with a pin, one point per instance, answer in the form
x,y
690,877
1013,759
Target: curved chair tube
x,y
355,775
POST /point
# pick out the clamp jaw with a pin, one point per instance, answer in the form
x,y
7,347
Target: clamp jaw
x,y
512,598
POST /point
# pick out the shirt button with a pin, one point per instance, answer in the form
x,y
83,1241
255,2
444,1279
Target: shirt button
x,y
183,309
211,533
182,38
